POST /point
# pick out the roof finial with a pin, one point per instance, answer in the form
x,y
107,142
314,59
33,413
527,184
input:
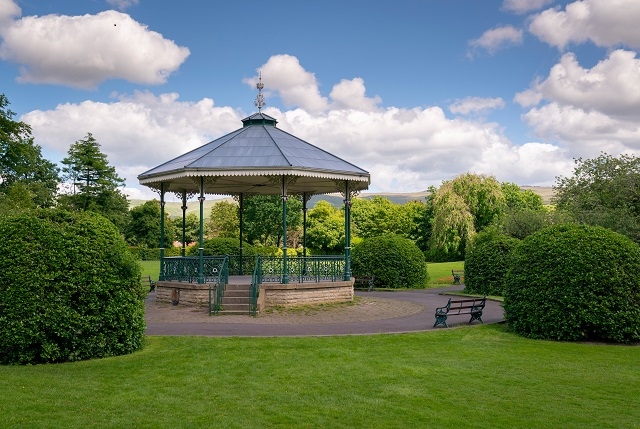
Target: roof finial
x,y
260,99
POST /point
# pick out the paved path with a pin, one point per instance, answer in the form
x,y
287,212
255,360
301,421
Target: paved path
x,y
372,313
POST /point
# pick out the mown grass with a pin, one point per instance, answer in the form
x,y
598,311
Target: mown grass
x,y
482,377
150,268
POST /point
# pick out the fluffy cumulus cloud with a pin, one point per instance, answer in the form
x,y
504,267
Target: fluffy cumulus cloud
x,y
135,132
495,39
405,149
83,51
590,110
469,105
524,6
603,22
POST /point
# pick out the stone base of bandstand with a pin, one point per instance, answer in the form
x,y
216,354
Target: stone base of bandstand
x,y
183,293
271,294
299,294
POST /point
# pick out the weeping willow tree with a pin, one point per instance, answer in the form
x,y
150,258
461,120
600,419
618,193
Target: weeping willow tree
x,y
462,207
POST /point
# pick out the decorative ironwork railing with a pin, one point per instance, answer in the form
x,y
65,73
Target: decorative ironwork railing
x,y
256,280
303,269
185,269
239,267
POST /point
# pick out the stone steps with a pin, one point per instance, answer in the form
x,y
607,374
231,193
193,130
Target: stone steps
x,y
236,299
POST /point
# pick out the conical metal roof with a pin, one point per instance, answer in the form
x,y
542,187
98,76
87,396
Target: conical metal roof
x,y
255,159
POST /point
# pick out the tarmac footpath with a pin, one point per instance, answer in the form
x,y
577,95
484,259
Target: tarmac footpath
x,y
373,312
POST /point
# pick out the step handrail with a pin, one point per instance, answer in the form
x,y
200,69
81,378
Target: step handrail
x,y
256,280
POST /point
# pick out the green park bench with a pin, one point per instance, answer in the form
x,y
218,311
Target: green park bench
x,y
457,275
148,281
457,307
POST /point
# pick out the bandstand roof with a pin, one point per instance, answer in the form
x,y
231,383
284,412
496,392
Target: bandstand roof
x,y
255,159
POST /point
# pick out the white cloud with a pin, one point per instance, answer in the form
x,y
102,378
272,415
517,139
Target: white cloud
x,y
611,87
122,4
603,22
524,6
404,149
495,39
294,85
83,51
350,94
469,105
589,110
9,10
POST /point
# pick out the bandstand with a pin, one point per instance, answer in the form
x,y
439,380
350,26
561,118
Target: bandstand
x,y
257,159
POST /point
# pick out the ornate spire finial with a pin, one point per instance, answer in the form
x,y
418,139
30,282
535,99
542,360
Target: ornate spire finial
x,y
260,98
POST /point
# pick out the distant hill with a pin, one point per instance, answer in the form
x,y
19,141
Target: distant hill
x,y
174,207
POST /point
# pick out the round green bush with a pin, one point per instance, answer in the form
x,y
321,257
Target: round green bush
x,y
575,282
486,263
396,262
69,289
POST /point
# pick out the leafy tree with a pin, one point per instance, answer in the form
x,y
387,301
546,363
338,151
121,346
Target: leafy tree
x,y
191,230
377,216
263,218
223,221
143,228
418,223
325,228
93,182
603,191
461,207
21,161
520,199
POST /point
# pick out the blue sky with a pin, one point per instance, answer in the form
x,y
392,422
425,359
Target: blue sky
x,y
414,91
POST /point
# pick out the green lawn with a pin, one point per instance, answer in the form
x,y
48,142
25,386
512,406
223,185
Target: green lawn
x,y
481,377
150,268
440,272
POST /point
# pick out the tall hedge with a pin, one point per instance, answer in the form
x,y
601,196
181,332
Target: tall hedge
x,y
69,289
396,262
486,263
575,282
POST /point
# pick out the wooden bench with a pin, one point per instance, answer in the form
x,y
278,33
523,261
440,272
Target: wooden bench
x,y
364,282
457,274
456,307
148,281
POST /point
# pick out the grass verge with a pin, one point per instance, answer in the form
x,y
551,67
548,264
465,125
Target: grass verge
x,y
483,376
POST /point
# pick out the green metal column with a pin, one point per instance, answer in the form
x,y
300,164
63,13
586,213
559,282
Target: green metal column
x,y
184,222
240,212
201,248
304,224
285,268
161,277
347,232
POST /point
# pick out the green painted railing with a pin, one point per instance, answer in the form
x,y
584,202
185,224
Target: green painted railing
x,y
256,280
185,269
241,266
303,269
219,287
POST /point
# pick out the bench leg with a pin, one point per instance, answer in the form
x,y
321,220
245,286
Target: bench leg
x,y
476,315
441,320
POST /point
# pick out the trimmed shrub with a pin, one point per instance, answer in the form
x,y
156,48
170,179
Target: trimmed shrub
x,y
153,253
486,263
396,262
69,289
575,282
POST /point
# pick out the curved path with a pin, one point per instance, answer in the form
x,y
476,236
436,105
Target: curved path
x,y
372,313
